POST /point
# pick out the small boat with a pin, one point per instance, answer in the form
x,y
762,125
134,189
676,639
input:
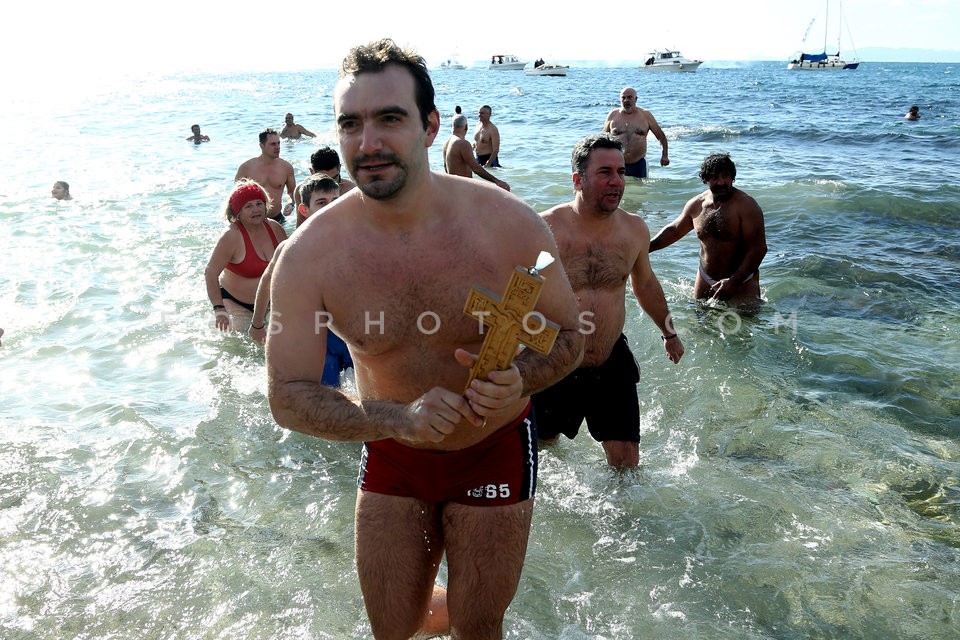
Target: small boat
x,y
823,61
541,68
669,60
506,62
452,63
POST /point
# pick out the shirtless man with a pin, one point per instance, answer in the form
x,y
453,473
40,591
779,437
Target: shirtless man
x,y
272,173
486,141
390,265
197,137
631,124
292,131
733,242
458,157
601,247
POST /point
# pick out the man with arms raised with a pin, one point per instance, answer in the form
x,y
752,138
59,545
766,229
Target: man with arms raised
x,y
630,124
392,263
733,240
458,157
601,246
272,173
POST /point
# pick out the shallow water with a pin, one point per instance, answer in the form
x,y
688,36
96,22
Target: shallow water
x,y
799,472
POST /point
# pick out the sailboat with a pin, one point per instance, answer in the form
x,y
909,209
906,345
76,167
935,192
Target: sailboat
x,y
823,61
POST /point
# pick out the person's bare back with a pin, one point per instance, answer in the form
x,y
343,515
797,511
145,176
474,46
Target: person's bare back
x,y
455,153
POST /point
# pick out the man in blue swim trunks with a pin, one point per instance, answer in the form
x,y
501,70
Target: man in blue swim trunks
x,y
630,124
486,141
601,247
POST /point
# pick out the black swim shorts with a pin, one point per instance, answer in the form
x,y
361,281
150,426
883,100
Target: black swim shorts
x,y
606,396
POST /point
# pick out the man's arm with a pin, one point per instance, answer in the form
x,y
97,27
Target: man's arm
x,y
304,131
242,171
649,294
258,329
291,190
495,146
662,137
676,229
559,304
465,152
754,239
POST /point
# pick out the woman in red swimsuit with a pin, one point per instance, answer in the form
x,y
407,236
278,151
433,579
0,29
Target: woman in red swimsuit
x,y
242,253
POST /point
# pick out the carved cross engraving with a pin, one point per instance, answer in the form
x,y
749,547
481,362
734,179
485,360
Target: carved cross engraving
x,y
509,321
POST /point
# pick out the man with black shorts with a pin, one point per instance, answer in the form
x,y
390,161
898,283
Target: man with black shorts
x,y
601,246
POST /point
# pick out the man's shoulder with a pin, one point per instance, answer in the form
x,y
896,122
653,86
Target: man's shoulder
x,y
460,144
558,212
631,222
745,202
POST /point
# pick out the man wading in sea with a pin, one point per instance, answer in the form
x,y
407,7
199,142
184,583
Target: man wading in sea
x,y
443,470
733,241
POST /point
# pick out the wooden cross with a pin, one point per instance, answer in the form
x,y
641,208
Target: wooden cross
x,y
510,321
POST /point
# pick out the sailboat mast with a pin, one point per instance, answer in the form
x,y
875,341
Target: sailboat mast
x,y
826,26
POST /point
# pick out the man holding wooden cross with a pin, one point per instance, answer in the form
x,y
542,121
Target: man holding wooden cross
x,y
446,467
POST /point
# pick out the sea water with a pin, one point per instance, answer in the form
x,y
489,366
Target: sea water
x,y
799,472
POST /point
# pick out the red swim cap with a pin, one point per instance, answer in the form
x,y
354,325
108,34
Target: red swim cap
x,y
246,193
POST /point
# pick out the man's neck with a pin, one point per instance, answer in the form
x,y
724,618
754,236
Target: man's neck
x,y
589,213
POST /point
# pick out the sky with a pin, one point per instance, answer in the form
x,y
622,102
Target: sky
x,y
42,37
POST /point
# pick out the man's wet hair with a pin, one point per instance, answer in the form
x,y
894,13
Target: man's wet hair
x,y
316,182
266,133
717,164
582,150
376,56
324,159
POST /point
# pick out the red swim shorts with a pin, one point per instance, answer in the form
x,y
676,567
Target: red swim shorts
x,y
497,471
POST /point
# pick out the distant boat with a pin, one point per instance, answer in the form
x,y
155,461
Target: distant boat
x,y
506,62
669,60
452,63
541,68
824,61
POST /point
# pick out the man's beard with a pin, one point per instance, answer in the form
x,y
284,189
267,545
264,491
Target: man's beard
x,y
380,188
721,193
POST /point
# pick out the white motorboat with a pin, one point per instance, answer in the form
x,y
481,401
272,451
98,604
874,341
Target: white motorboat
x,y
506,62
823,61
548,69
453,64
669,60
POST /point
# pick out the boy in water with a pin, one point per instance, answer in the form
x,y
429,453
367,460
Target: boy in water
x,y
316,192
